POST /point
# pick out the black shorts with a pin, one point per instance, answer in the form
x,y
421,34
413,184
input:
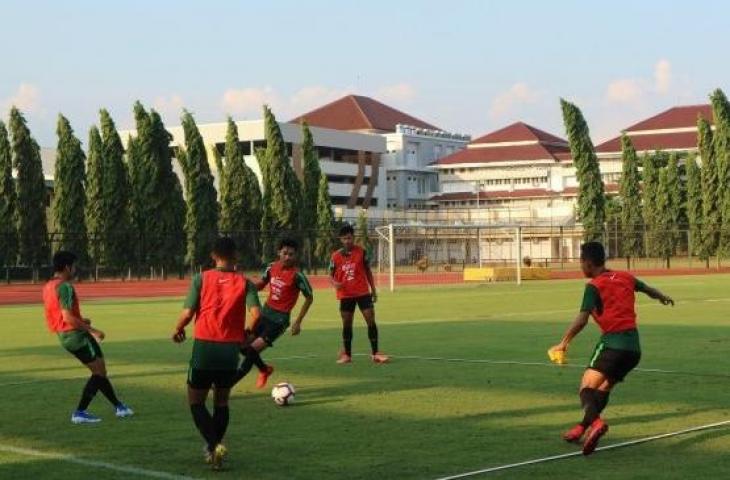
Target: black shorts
x,y
269,329
204,379
363,303
613,363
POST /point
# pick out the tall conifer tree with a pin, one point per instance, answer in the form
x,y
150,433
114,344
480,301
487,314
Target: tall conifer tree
x,y
694,204
94,196
711,220
632,224
8,228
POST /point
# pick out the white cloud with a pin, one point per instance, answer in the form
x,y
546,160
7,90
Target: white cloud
x,y
662,76
26,98
169,107
518,94
625,90
398,93
248,101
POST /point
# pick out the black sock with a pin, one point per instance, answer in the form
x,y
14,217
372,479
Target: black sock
x,y
251,358
220,421
602,399
589,401
258,361
106,388
88,393
347,338
204,423
373,336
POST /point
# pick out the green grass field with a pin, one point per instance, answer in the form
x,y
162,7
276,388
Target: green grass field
x,y
412,419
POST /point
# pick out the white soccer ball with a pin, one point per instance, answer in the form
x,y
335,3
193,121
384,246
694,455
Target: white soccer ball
x,y
283,394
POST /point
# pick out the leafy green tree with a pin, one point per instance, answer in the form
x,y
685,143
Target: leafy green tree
x,y
310,187
694,203
663,242
69,198
650,174
325,241
591,197
362,236
710,192
721,150
8,228
94,196
30,214
676,201
632,223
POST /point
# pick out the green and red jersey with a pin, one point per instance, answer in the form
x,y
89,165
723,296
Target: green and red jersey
x,y
349,269
59,295
220,298
285,284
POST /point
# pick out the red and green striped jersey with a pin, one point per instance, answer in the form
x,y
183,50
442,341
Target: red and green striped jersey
x,y
285,283
59,295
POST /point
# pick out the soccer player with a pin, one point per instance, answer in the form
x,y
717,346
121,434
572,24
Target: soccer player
x,y
78,337
285,283
352,278
217,299
609,298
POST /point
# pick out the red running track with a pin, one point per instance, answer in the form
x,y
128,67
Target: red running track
x,y
27,293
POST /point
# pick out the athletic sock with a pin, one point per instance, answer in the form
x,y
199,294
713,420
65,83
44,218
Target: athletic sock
x,y
249,359
220,421
105,387
258,361
347,339
602,399
373,336
589,401
204,424
88,393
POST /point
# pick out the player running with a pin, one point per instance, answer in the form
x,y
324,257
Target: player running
x,y
285,283
78,337
217,300
352,278
609,298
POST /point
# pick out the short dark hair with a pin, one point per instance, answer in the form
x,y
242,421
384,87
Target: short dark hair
x,y
63,259
225,248
593,252
346,230
288,242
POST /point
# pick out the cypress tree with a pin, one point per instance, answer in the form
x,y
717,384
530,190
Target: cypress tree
x,y
664,222
94,197
325,241
721,149
694,204
145,200
69,198
591,198
267,211
30,214
8,230
115,196
632,223
711,219
232,176
201,221
362,237
310,186
650,174
282,182
676,204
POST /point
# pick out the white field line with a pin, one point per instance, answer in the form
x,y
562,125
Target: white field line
x,y
138,372
579,453
142,472
541,364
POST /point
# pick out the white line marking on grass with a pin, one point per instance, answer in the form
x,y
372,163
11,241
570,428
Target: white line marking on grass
x,y
142,472
542,364
579,453
138,372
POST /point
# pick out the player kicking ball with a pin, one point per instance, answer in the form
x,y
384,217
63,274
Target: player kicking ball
x,y
352,278
285,282
217,299
78,337
608,297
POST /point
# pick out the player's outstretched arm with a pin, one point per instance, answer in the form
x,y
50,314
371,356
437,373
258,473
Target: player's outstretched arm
x,y
652,292
575,328
186,316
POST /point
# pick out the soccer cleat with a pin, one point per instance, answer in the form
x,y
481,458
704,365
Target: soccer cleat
x,y
219,453
598,429
379,357
264,376
574,434
207,455
82,416
344,358
123,411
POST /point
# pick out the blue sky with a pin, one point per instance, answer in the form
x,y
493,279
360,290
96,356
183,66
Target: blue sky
x,y
466,66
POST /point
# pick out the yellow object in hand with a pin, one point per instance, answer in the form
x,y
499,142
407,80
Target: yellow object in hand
x,y
557,356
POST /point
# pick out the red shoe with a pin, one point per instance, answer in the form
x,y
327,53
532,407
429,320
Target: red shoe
x,y
574,434
264,376
598,429
344,358
379,357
